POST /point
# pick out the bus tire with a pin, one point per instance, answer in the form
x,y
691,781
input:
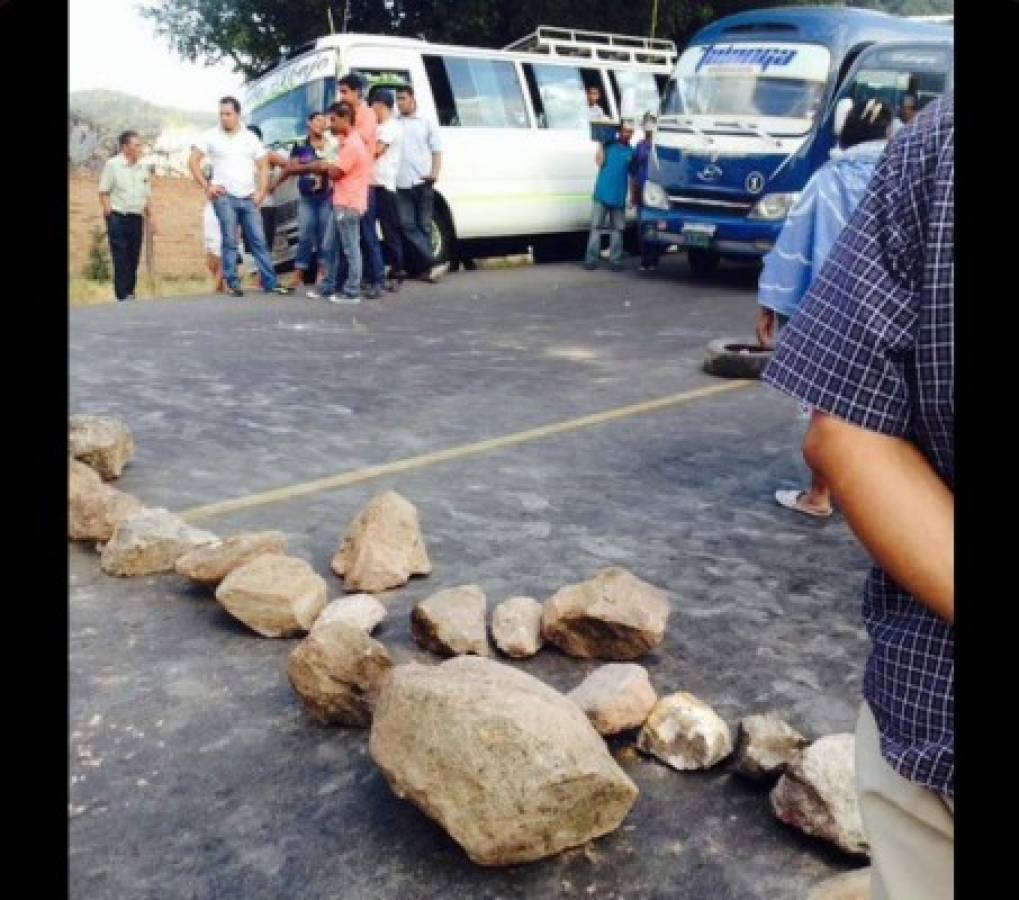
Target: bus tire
x,y
733,358
443,236
703,262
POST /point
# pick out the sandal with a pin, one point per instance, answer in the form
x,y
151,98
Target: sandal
x,y
791,500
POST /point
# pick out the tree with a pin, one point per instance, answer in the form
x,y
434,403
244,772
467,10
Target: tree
x,y
255,33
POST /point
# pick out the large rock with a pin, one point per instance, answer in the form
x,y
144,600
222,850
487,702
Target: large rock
x,y
614,615
817,794
149,542
853,885
94,509
362,611
507,765
103,442
765,745
383,546
615,697
516,627
452,622
274,595
337,671
685,733
210,564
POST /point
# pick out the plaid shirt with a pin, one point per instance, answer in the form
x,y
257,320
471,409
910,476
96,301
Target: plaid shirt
x,y
873,344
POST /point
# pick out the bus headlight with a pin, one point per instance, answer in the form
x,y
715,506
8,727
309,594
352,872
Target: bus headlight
x,y
655,196
773,206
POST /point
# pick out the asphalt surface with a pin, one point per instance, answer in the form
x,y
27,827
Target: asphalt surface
x,y
195,773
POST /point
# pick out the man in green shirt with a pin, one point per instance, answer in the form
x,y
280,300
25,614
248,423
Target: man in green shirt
x,y
125,191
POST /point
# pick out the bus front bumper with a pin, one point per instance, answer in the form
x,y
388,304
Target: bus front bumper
x,y
732,236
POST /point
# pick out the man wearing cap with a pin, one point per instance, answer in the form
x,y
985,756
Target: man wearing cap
x,y
125,190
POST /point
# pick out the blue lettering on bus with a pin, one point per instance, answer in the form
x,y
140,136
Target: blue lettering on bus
x,y
765,57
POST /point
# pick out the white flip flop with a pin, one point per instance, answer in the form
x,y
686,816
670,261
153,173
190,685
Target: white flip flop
x,y
791,500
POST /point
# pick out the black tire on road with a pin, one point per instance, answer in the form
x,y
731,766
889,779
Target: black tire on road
x,y
443,239
733,358
703,262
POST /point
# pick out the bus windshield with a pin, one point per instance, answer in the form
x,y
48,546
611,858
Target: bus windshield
x,y
284,118
751,81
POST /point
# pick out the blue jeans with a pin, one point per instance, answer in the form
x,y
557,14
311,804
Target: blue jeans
x,y
616,220
370,240
314,219
343,252
233,210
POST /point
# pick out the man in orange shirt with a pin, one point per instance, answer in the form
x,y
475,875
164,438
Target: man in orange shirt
x,y
351,173
351,89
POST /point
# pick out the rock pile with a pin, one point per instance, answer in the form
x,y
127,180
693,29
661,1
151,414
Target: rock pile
x,y
103,442
509,767
94,509
149,542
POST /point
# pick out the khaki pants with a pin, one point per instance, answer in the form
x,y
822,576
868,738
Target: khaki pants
x,y
911,829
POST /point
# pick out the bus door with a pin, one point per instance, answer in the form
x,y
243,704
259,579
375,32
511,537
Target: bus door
x,y
563,169
890,72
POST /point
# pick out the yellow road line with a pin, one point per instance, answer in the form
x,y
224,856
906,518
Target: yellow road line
x,y
345,479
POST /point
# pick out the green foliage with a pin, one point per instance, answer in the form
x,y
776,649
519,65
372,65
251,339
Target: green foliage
x,y
255,33
97,266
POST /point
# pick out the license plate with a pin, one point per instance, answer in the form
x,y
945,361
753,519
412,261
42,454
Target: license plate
x,y
697,234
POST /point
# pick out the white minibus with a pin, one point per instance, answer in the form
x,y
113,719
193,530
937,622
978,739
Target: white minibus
x,y
518,158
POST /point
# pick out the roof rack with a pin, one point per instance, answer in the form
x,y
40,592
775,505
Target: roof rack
x,y
596,45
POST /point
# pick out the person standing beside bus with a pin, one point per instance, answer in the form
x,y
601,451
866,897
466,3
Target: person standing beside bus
x,y
236,154
415,184
351,90
125,192
813,225
351,174
388,151
641,161
315,203
611,190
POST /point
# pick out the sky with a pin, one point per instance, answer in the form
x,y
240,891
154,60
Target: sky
x,y
111,46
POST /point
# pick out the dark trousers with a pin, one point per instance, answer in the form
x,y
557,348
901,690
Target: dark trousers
x,y
415,205
392,234
125,232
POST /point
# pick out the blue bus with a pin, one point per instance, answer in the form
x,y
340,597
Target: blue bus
x,y
753,107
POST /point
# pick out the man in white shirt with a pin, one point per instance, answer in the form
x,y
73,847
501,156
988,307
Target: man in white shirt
x,y
236,154
388,154
419,169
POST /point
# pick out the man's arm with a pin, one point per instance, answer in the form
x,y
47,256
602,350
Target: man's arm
x,y
896,504
433,176
105,186
195,165
263,179
599,156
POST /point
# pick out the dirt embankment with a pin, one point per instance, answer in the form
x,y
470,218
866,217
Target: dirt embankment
x,y
177,202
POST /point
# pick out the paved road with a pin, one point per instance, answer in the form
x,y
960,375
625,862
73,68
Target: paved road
x,y
194,772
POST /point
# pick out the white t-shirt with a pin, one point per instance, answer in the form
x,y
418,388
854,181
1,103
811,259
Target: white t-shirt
x,y
233,158
387,165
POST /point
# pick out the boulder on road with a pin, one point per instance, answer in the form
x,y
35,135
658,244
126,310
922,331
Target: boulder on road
x,y
210,564
509,767
765,745
362,611
149,542
817,794
94,508
613,615
383,546
516,627
276,596
615,697
452,622
685,733
337,671
103,442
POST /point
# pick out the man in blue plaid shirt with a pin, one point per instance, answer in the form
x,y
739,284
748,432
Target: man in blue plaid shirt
x,y
872,352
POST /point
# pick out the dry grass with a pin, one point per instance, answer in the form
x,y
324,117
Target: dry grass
x,y
85,292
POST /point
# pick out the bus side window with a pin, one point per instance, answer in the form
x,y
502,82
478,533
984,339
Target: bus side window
x,y
442,92
560,95
483,93
532,90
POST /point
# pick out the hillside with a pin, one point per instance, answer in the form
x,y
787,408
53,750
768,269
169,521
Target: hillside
x,y
95,118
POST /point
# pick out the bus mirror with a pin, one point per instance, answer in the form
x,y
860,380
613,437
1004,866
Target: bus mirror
x,y
842,109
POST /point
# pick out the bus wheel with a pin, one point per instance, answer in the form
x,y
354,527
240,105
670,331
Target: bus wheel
x,y
703,262
443,239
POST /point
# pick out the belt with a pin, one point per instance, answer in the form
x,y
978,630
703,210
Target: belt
x,y
134,215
